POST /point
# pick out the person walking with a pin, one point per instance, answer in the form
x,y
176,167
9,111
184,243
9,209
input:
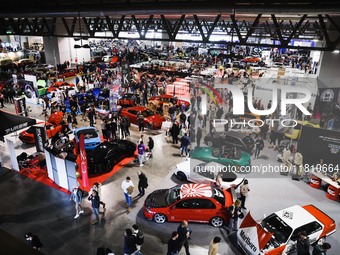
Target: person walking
x,y
185,142
141,153
213,246
234,212
259,145
303,244
129,242
244,189
174,131
138,236
33,241
321,249
97,187
151,145
173,244
95,203
142,183
77,197
128,187
198,136
90,115
140,119
183,236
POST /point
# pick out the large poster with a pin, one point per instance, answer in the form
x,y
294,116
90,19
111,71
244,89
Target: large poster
x,y
125,74
316,143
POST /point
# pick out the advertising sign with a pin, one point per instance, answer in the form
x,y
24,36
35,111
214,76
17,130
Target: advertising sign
x,y
83,161
125,74
39,137
20,106
326,146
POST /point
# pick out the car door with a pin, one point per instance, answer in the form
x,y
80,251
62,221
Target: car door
x,y
132,114
204,209
184,210
313,230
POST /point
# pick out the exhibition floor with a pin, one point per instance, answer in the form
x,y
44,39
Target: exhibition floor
x,y
30,206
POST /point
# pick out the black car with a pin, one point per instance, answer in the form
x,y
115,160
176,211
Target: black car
x,y
107,154
230,139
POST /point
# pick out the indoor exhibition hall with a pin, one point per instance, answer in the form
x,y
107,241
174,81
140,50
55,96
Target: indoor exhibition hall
x,y
169,127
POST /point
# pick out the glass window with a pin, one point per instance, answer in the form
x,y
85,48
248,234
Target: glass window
x,y
310,228
274,224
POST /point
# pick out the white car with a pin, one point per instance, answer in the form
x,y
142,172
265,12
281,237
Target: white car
x,y
240,128
278,233
202,172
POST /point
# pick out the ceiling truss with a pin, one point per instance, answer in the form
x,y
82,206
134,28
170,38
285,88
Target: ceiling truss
x,y
247,30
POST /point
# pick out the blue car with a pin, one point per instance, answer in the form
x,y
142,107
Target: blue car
x,y
91,135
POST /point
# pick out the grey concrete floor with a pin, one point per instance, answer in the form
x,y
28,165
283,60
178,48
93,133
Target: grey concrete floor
x,y
29,206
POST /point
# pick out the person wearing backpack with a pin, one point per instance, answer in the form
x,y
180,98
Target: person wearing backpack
x,y
138,236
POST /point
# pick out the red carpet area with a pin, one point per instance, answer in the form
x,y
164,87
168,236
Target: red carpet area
x,y
40,175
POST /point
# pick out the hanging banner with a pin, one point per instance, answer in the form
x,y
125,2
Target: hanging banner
x,y
12,154
83,161
20,106
39,137
125,74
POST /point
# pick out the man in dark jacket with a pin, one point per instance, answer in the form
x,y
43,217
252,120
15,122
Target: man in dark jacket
x,y
302,244
321,249
129,242
185,142
183,236
142,184
95,202
173,244
174,131
33,241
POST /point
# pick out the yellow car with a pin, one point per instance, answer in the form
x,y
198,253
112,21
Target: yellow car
x,y
294,133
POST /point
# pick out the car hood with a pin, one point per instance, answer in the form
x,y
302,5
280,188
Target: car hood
x,y
156,199
55,118
251,236
155,118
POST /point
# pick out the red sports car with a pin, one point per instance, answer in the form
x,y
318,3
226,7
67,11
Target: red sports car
x,y
191,202
129,100
58,85
151,120
68,72
52,127
170,99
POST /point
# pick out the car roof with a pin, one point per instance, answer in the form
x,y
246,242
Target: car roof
x,y
236,134
194,190
84,128
295,216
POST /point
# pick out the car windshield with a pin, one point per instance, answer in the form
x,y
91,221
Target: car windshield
x,y
147,113
219,196
172,195
274,224
88,133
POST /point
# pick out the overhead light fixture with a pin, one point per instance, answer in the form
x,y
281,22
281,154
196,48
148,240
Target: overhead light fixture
x,y
76,46
86,46
336,51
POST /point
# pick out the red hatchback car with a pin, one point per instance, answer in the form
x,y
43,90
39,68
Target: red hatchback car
x,y
170,99
192,202
151,119
52,127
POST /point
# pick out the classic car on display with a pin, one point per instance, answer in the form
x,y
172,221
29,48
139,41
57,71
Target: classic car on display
x,y
91,137
225,156
68,72
151,120
230,139
192,202
278,233
59,85
52,127
169,99
206,172
108,154
129,100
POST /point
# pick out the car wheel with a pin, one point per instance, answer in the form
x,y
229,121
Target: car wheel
x,y
181,176
159,218
210,143
216,152
217,222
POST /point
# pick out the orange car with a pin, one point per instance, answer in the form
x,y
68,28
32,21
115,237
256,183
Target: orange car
x,y
52,127
58,85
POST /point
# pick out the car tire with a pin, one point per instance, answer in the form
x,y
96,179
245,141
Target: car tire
x,y
210,143
159,218
181,176
217,222
216,152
